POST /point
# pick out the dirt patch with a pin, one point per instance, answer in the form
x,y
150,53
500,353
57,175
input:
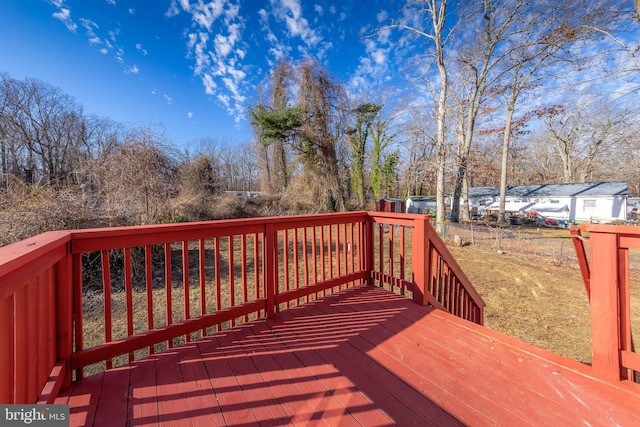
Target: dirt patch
x,y
531,299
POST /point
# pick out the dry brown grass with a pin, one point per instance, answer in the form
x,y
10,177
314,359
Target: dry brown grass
x,y
537,300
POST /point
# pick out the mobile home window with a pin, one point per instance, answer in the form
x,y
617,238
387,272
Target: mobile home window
x,y
589,205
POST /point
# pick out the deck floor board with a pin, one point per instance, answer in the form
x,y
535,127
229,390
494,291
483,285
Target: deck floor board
x,y
360,357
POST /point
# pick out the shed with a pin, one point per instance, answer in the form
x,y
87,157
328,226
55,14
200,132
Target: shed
x,y
388,204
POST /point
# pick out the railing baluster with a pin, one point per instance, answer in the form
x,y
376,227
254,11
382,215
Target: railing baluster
x,y
285,249
314,256
218,275
148,272
106,295
232,273
330,253
296,267
245,285
77,309
128,286
401,244
256,269
185,284
168,285
305,259
391,258
323,272
202,277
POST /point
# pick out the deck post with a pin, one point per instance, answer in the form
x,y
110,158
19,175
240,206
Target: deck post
x,y
604,306
64,314
419,241
270,269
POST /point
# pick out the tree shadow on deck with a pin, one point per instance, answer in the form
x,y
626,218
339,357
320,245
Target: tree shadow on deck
x,y
335,360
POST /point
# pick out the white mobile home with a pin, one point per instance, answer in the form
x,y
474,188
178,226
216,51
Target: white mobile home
x,y
582,202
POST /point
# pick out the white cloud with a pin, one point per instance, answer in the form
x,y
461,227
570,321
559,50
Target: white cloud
x,y
134,69
154,91
318,9
189,114
168,99
64,15
215,45
290,11
209,85
382,16
141,49
332,9
57,3
111,2
103,51
132,11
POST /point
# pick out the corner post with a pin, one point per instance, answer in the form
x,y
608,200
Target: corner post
x,y
604,306
419,264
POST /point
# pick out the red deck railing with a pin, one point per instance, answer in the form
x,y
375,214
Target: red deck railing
x,y
86,300
608,285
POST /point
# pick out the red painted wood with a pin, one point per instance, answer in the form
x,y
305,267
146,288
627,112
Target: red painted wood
x,y
232,274
285,261
22,345
256,266
229,393
245,282
82,399
202,278
604,305
186,296
371,357
7,356
197,389
323,245
168,284
143,398
77,308
305,259
167,333
296,263
173,409
578,244
148,271
106,298
114,398
330,252
128,286
314,253
20,262
63,312
218,274
270,247
54,383
318,287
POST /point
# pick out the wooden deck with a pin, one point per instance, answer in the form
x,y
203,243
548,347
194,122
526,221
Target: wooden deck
x,y
362,357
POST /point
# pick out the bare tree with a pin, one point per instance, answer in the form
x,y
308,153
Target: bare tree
x,y
581,137
426,19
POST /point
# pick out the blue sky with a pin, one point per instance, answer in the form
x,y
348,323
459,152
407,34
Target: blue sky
x,y
191,66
